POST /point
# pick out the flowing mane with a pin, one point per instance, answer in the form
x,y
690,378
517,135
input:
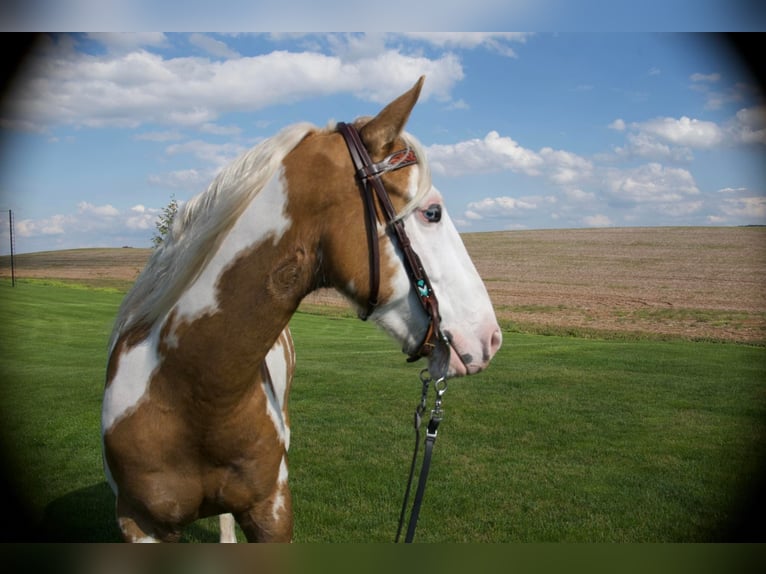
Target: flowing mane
x,y
197,228
203,221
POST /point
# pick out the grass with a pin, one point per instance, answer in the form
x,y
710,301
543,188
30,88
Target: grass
x,y
562,439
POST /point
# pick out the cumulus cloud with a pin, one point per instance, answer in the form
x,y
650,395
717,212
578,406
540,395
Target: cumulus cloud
x,y
102,221
677,138
135,87
565,168
645,145
717,95
500,207
749,126
495,41
617,125
598,220
217,155
212,46
54,225
578,195
159,136
652,183
123,42
748,209
705,78
192,180
98,210
684,131
492,153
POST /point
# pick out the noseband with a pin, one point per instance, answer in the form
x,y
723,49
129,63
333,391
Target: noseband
x,y
368,174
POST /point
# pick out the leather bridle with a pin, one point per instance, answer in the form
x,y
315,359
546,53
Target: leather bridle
x,y
369,177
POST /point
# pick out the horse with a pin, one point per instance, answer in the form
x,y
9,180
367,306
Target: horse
x,y
200,363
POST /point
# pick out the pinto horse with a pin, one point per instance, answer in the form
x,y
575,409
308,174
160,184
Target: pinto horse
x,y
194,418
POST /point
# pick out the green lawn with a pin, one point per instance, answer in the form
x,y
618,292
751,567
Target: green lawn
x,y
562,439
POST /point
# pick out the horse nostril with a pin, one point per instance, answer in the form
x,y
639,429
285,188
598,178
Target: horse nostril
x,y
495,341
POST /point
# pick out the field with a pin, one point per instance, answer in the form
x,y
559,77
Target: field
x,y
691,283
596,422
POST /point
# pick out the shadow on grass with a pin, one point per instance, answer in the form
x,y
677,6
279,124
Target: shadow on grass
x,y
84,515
87,515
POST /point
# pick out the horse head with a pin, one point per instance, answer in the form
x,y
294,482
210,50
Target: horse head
x,y
468,334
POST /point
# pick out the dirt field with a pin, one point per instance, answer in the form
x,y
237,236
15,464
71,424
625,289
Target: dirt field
x,y
695,283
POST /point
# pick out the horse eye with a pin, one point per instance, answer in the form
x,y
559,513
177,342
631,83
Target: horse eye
x,y
433,213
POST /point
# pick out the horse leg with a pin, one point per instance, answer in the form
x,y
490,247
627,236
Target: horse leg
x,y
226,522
137,525
270,520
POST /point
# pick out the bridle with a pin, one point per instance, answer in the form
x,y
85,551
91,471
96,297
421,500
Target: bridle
x,y
368,174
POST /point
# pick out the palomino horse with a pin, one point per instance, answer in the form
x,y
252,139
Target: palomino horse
x,y
194,419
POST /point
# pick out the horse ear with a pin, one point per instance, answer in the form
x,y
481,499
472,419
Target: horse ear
x,y
380,132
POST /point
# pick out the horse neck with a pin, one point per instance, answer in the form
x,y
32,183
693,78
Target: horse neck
x,y
232,314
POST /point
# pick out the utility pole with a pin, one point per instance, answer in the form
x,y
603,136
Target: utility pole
x,y
13,268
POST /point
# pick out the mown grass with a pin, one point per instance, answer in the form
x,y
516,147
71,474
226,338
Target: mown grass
x,y
562,439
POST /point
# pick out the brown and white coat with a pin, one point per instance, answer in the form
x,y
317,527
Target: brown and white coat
x,y
194,417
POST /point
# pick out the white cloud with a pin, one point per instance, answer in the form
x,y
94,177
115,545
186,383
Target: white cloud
x,y
747,209
99,221
599,220
576,194
652,183
717,96
749,126
705,78
647,146
733,190
98,210
141,217
565,168
617,125
191,180
676,138
218,155
212,46
684,131
495,41
159,136
54,225
220,130
493,153
125,42
499,207
137,87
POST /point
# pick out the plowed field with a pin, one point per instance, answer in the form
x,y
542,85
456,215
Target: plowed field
x,y
692,283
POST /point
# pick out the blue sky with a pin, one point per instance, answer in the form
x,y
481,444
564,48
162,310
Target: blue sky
x,y
523,131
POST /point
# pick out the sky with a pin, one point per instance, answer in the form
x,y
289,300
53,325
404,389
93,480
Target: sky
x,y
522,130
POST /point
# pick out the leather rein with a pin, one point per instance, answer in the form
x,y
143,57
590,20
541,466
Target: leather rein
x,y
368,175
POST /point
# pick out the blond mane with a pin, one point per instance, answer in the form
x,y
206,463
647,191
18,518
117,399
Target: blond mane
x,y
203,221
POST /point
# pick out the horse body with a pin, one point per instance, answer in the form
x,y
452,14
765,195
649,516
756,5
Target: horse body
x,y
194,419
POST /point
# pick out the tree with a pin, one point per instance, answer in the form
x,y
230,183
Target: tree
x,y
165,221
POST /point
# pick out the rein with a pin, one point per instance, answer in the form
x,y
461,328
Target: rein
x,y
368,174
